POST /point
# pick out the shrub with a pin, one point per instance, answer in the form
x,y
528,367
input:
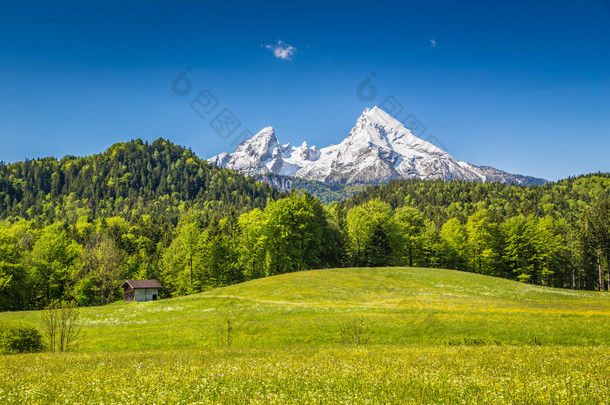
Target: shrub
x,y
470,341
61,325
21,338
355,332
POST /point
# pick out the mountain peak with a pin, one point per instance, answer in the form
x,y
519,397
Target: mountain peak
x,y
267,133
261,143
378,116
377,149
261,154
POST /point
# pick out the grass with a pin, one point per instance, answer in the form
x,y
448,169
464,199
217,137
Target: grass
x,y
432,336
330,375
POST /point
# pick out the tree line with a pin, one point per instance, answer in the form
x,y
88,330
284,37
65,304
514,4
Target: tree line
x,y
88,260
129,179
80,240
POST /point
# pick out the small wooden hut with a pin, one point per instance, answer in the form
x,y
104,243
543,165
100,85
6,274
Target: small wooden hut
x,y
141,290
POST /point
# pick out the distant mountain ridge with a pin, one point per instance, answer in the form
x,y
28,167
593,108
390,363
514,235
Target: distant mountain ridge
x,y
378,149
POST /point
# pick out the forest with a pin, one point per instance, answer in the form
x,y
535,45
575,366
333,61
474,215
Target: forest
x,y
76,228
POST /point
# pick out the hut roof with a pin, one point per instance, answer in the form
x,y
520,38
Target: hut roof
x,y
135,284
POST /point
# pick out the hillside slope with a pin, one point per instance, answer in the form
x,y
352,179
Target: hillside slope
x,y
126,176
326,193
567,198
396,305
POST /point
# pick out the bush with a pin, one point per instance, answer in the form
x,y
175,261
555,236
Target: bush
x,y
355,332
21,338
61,325
470,341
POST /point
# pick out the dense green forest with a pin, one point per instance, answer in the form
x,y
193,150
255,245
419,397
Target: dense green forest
x,y
326,193
77,227
441,200
129,179
556,234
65,224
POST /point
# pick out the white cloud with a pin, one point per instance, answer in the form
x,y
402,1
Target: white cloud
x,y
282,50
433,43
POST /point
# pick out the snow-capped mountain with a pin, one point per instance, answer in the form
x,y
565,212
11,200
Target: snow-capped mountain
x,y
378,148
263,154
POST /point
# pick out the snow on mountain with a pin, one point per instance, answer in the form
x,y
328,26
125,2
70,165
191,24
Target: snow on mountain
x,y
263,154
378,148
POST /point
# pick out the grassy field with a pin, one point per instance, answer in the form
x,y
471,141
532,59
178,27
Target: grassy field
x,y
428,336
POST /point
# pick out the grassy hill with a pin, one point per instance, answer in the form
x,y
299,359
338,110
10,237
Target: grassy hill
x,y
429,336
399,305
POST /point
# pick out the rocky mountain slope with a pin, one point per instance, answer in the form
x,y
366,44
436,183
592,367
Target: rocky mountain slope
x,y
378,148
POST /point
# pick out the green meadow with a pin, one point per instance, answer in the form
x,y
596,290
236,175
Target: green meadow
x,y
425,336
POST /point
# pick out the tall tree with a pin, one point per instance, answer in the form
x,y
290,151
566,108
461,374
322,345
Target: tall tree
x,y
518,250
597,230
453,245
251,253
293,234
51,261
479,229
12,275
410,226
378,250
101,269
361,224
216,259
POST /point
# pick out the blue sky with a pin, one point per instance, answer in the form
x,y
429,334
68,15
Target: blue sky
x,y
521,86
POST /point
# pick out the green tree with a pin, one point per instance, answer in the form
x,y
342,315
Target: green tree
x,y
362,221
518,249
293,234
454,245
12,275
378,250
217,257
479,229
175,266
410,225
101,270
251,252
51,261
597,231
